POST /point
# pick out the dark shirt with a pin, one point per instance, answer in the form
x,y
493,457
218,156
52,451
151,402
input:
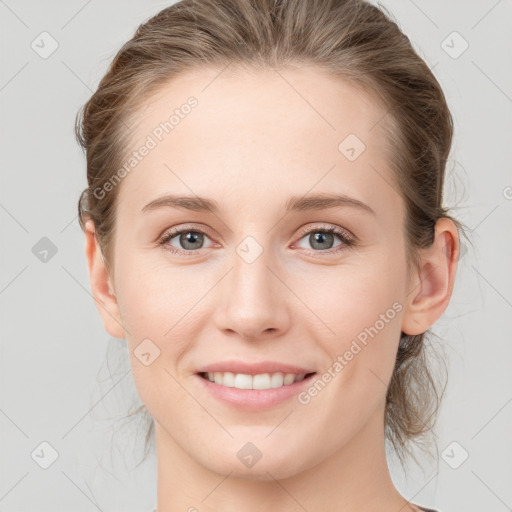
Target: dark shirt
x,y
422,508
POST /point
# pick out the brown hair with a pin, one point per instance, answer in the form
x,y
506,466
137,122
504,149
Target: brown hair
x,y
351,39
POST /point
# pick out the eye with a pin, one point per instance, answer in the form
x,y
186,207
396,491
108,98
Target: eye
x,y
188,240
322,239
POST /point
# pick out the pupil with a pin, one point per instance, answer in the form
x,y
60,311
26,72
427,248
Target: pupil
x,y
190,238
319,239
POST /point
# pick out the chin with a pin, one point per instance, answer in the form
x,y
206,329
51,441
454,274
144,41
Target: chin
x,y
252,461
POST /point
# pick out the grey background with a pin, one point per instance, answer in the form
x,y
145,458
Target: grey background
x,y
57,384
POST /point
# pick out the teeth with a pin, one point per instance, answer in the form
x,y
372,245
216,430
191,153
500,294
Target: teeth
x,y
260,381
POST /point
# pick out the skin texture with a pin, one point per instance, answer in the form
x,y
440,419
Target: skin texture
x,y
252,142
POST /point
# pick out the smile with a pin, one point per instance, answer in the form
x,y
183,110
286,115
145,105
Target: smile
x,y
253,392
259,381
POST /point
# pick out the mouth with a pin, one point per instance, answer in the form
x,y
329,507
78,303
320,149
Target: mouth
x,y
253,392
260,381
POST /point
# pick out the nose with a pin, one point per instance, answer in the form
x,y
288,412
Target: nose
x,y
252,299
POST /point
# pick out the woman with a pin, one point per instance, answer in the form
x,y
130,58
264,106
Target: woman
x,y
265,228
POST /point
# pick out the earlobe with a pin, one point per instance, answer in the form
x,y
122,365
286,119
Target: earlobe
x,y
431,288
101,285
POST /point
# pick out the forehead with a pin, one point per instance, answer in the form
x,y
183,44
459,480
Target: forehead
x,y
305,101
278,127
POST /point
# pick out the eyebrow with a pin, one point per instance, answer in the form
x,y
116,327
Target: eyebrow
x,y
293,204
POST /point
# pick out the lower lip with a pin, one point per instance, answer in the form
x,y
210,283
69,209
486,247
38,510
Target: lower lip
x,y
254,399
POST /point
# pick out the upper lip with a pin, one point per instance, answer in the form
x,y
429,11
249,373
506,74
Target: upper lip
x,y
253,368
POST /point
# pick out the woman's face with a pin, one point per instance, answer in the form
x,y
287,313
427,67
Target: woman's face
x,y
256,281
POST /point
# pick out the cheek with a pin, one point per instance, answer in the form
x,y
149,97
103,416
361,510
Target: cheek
x,y
156,304
364,311
155,299
157,308
347,300
353,312
358,320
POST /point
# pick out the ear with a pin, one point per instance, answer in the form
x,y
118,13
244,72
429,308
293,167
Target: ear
x,y
430,287
101,285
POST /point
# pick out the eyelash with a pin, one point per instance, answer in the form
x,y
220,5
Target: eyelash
x,y
348,240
